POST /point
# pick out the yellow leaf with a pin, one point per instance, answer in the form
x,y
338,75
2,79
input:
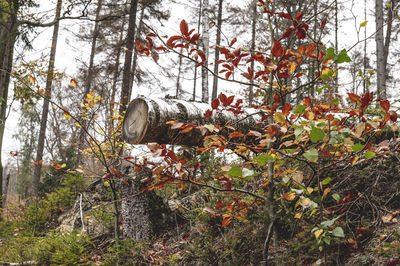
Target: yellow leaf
x,y
292,67
354,160
32,79
326,191
66,116
63,165
305,202
318,232
278,117
73,83
310,190
363,24
298,215
77,124
289,195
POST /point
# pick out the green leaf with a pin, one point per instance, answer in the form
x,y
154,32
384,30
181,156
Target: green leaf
x,y
330,52
299,109
357,147
326,181
262,159
338,232
285,179
298,131
363,24
336,196
343,57
328,223
316,134
327,240
318,262
235,171
369,154
311,155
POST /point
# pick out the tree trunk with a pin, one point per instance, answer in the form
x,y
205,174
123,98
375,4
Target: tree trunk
x,y
365,83
135,55
205,44
135,208
127,74
145,121
8,35
178,78
45,111
218,42
197,47
88,82
253,47
380,51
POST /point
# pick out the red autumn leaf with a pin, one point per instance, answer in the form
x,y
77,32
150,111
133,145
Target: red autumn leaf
x,y
284,15
170,42
367,99
310,48
219,204
223,50
307,101
277,49
299,15
246,75
301,34
235,135
107,176
233,41
286,109
386,118
277,98
288,32
323,23
172,155
229,100
194,38
115,171
385,105
223,98
208,113
184,27
283,75
228,74
215,104
354,97
226,221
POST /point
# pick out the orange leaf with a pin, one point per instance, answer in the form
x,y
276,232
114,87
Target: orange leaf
x,y
286,109
277,49
186,130
307,101
32,79
208,113
36,163
226,221
354,97
236,135
289,196
385,105
73,83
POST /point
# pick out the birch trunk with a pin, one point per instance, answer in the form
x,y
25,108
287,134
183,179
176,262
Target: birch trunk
x,y
197,47
380,51
45,110
145,121
218,42
205,45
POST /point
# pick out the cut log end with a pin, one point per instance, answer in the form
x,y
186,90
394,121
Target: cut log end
x,y
136,120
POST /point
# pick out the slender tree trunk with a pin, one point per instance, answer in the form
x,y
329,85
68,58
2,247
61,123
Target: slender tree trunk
x,y
253,48
116,76
365,83
8,35
135,55
387,41
336,44
195,67
127,74
218,42
178,78
380,51
205,44
45,111
89,79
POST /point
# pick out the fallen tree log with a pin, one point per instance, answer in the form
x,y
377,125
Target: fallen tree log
x,y
145,120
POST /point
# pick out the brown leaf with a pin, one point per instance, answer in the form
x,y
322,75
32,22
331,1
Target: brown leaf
x,y
277,49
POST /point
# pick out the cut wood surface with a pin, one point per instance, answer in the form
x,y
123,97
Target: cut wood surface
x,y
145,120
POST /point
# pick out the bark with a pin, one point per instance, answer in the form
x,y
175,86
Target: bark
x,y
365,83
145,121
218,42
127,74
8,35
45,110
205,44
135,55
380,51
336,44
89,78
178,78
197,47
136,208
253,47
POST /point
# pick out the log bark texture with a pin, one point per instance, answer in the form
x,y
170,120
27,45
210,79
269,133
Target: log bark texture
x,y
145,121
